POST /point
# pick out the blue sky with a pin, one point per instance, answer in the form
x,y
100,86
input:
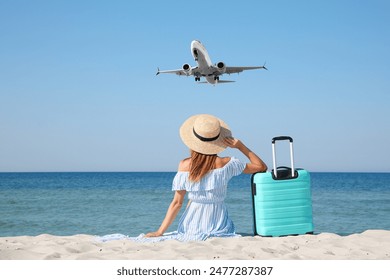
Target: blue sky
x,y
78,90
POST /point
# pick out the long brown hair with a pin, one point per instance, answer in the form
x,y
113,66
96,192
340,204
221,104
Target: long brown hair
x,y
200,165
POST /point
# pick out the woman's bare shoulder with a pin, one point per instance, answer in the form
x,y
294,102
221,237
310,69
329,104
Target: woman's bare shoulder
x,y
221,162
184,165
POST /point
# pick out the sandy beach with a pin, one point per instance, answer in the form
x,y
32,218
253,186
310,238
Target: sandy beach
x,y
369,245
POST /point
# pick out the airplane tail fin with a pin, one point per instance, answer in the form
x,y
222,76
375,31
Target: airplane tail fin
x,y
219,82
225,81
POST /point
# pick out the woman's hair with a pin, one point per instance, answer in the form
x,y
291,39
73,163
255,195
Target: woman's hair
x,y
200,165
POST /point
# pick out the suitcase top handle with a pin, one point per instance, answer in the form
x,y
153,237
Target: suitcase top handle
x,y
282,138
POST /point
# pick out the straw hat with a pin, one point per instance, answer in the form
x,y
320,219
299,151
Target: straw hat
x,y
204,134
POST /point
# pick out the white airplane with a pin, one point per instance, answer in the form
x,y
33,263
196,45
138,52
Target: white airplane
x,y
205,68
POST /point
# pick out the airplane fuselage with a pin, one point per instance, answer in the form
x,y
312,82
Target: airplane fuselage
x,y
203,60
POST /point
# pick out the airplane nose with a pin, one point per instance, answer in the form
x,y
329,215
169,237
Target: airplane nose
x,y
195,47
195,43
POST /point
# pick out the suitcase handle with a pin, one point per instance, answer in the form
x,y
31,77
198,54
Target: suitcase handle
x,y
282,138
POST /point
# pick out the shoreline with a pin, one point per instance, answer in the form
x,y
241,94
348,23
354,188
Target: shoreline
x,y
368,245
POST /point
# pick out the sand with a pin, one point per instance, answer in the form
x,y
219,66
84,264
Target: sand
x,y
371,244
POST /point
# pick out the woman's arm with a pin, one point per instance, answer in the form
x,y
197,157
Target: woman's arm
x,y
256,164
172,212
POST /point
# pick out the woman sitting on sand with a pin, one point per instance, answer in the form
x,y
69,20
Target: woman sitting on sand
x,y
204,176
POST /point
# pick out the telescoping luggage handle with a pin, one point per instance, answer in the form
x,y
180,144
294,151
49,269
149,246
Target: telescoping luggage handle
x,y
283,138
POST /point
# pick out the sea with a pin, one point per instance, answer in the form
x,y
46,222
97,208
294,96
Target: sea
x,y
130,203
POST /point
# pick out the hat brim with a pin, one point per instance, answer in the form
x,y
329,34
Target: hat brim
x,y
195,144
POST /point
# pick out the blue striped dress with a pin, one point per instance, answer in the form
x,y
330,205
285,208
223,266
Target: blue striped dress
x,y
206,215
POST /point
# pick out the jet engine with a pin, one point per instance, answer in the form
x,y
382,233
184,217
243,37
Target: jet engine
x,y
187,69
221,67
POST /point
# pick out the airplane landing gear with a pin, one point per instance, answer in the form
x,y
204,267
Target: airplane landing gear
x,y
197,79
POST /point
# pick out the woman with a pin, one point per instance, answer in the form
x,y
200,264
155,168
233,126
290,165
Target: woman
x,y
204,176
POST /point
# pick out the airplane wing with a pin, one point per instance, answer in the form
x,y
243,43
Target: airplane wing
x,y
180,72
232,69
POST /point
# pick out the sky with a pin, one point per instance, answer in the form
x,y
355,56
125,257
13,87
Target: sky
x,y
78,90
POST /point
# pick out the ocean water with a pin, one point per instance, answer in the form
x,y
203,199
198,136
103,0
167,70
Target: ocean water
x,y
136,202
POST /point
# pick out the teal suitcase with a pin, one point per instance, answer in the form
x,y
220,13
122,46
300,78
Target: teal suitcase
x,y
282,199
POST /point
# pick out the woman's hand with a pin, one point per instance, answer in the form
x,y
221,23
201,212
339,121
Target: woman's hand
x,y
153,234
232,142
171,214
256,163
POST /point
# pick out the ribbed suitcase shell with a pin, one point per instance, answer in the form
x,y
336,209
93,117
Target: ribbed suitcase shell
x,y
282,207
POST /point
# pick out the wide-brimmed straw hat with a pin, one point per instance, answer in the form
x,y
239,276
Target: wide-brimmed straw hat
x,y
204,134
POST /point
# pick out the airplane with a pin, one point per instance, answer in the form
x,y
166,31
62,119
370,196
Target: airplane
x,y
205,68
